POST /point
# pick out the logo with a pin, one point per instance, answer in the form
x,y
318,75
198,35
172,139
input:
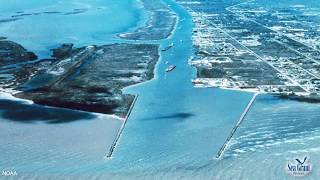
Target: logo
x,y
9,172
299,167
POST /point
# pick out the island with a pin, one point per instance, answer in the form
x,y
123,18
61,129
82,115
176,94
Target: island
x,y
87,78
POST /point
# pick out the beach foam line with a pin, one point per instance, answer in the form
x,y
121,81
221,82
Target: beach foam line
x,y
8,95
100,115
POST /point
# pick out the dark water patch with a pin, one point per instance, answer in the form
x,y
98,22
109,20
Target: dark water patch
x,y
22,15
30,113
9,20
51,12
76,11
80,9
177,116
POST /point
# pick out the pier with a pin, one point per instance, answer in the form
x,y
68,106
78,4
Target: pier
x,y
122,127
234,129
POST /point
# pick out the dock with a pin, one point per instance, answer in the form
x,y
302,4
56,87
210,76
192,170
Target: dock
x,y
122,127
234,129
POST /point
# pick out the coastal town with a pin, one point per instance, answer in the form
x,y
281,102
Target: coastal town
x,y
241,48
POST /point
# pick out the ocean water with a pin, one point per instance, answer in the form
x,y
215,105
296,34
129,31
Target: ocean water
x,y
275,132
174,131
39,138
43,25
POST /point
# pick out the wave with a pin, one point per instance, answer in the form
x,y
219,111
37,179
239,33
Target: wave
x,y
272,124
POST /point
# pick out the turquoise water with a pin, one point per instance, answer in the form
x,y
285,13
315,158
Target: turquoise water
x,y
175,131
51,22
174,124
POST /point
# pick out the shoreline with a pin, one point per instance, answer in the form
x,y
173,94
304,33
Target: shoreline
x,y
105,32
160,42
294,97
154,71
8,96
158,12
98,94
210,65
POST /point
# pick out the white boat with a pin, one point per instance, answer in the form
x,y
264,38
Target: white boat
x,y
170,68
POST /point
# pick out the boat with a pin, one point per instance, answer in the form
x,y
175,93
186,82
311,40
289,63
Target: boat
x,y
170,68
168,47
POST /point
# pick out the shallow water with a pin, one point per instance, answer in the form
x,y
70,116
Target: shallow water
x,y
46,24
